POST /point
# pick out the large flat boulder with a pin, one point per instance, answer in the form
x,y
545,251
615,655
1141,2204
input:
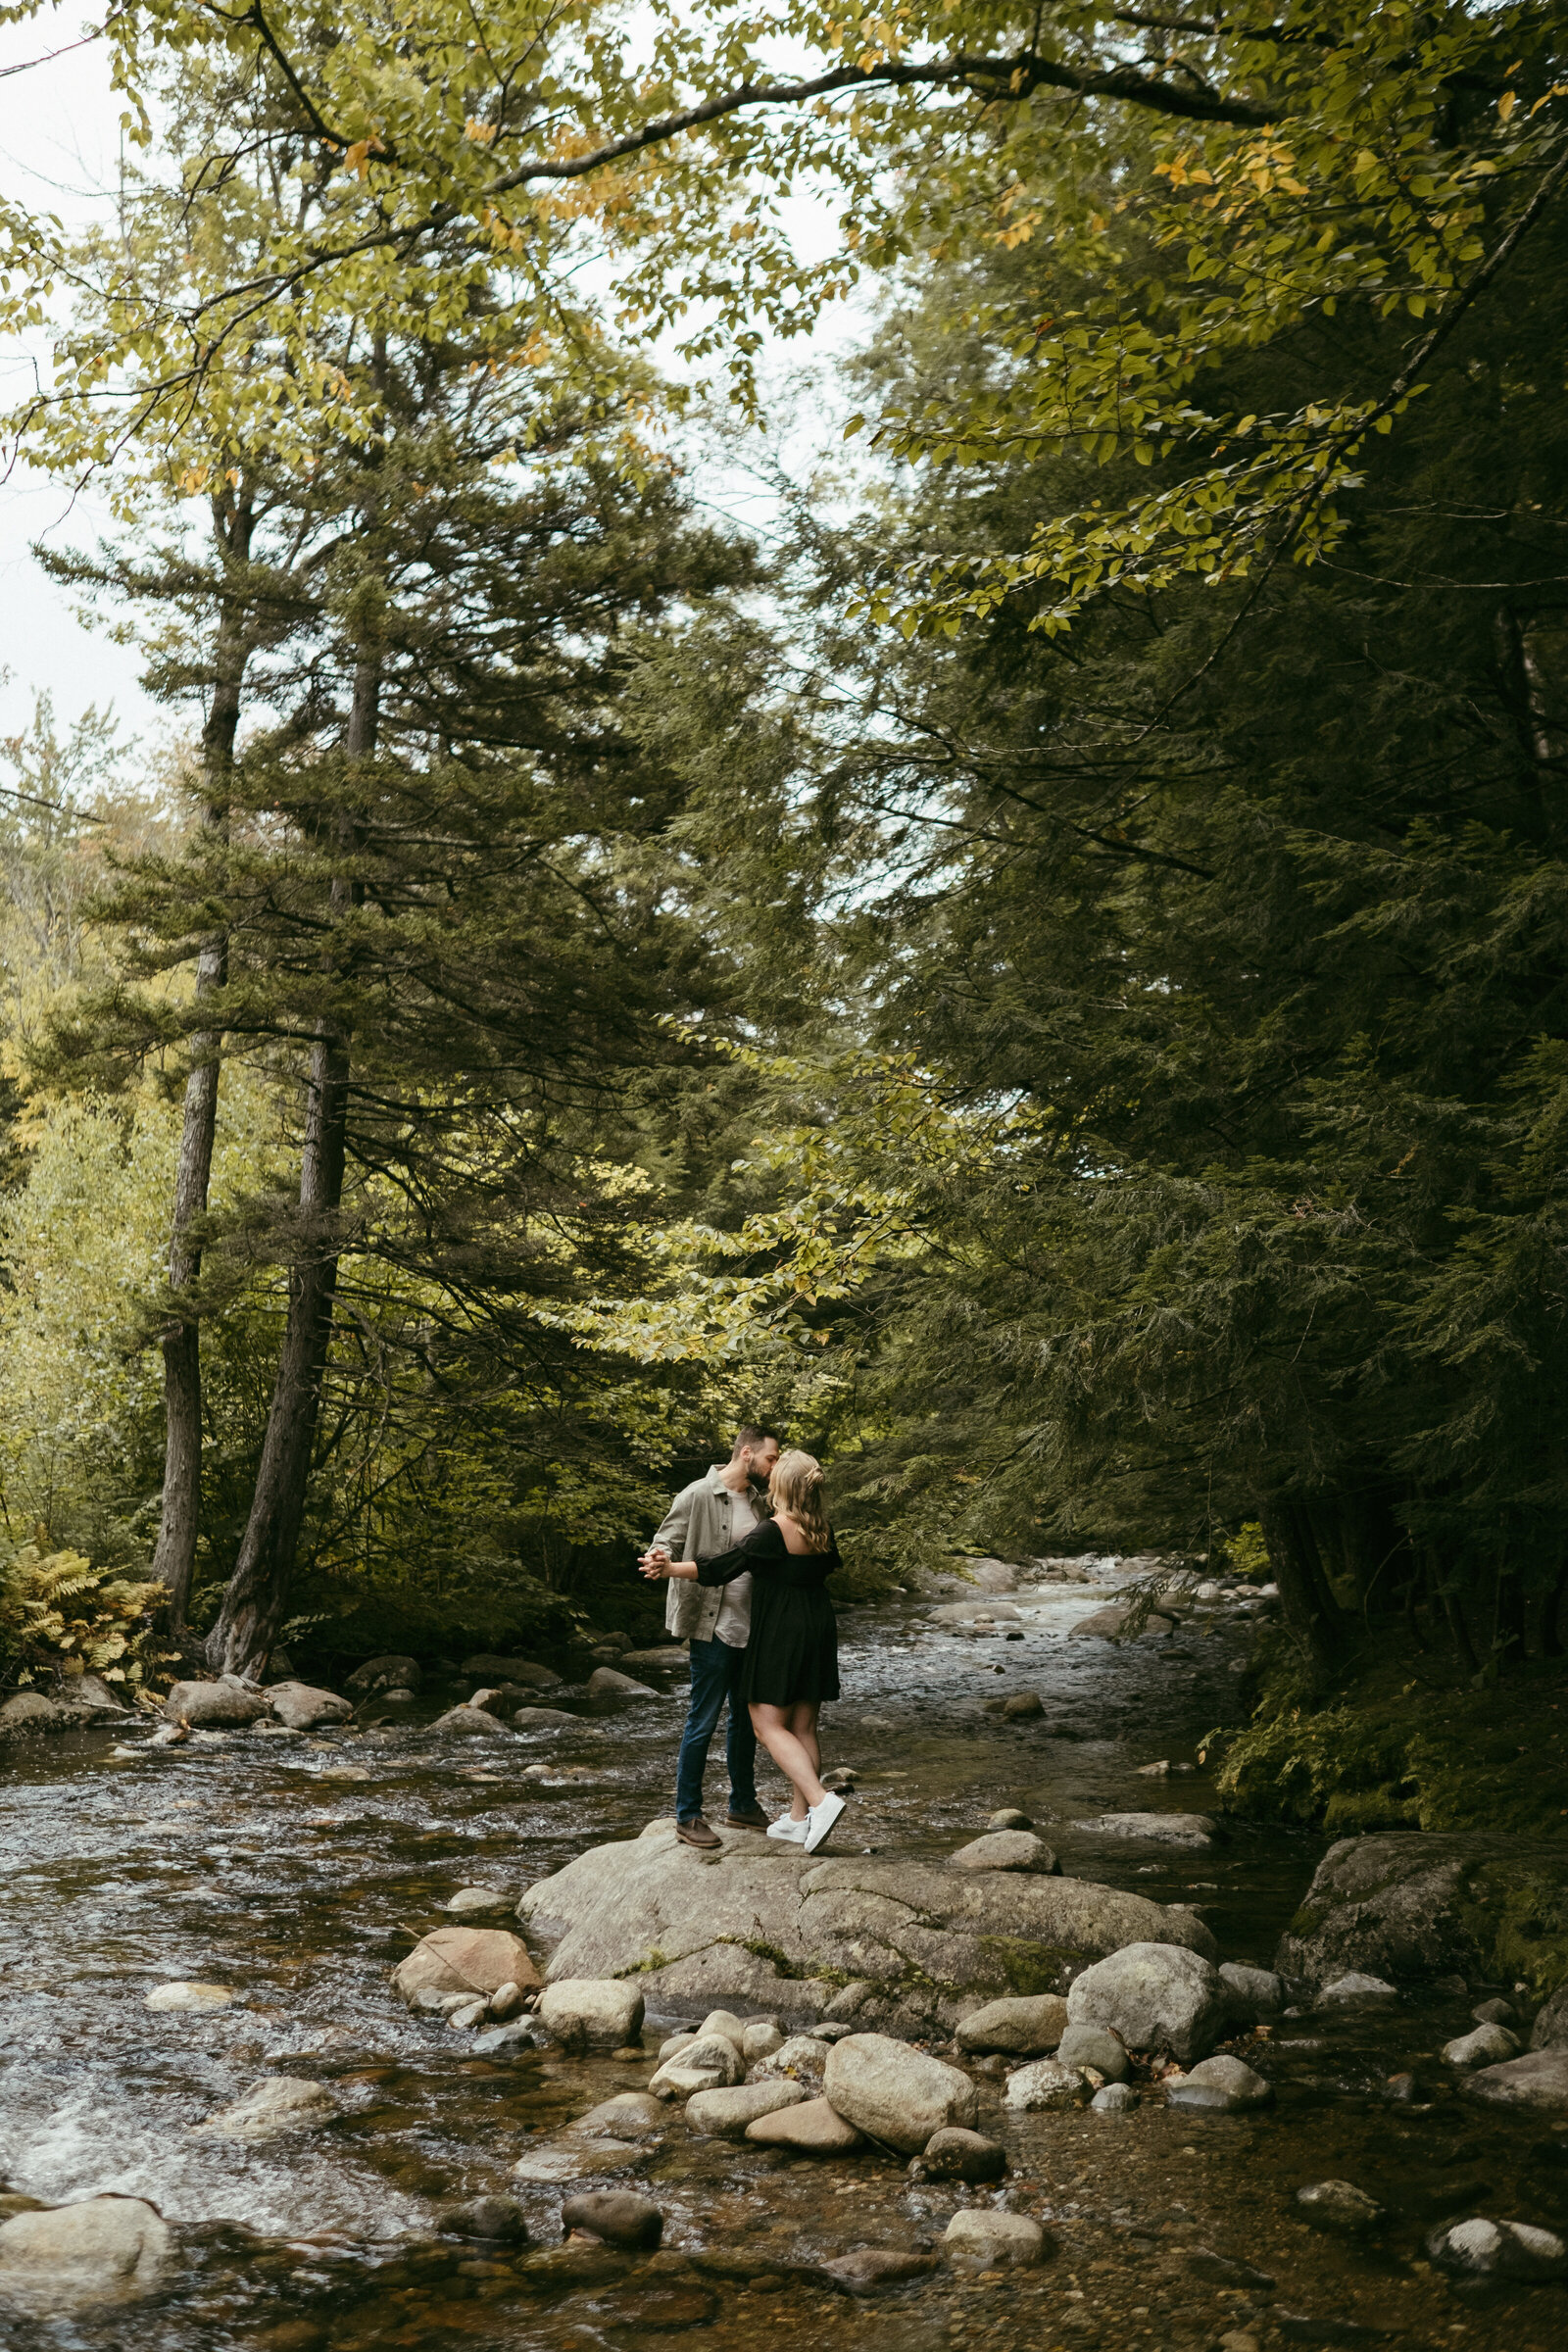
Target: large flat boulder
x,y
1409,1904
756,1927
71,2258
1539,2080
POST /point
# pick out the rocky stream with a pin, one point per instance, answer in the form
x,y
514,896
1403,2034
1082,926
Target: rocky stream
x,y
1038,2053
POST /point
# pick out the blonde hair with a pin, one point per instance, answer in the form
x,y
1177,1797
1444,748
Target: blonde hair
x,y
796,1487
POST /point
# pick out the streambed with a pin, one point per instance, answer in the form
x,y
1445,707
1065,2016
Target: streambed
x,y
295,1871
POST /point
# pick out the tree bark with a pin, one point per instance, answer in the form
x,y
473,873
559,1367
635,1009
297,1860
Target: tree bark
x,y
179,1521
1311,1614
257,1595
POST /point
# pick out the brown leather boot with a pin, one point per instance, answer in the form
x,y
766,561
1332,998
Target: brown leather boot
x,y
696,1832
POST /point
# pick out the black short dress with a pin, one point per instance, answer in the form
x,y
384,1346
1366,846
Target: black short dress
x,y
793,1653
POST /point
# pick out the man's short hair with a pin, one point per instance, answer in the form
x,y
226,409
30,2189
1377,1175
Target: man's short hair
x,y
747,1438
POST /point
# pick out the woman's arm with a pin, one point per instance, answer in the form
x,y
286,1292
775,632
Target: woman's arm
x,y
657,1565
725,1566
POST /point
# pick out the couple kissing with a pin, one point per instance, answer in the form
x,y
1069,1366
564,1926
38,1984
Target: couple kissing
x,y
747,1575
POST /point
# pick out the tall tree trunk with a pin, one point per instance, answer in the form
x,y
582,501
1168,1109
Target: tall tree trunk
x,y
1464,1649
179,1521
257,1596
1310,1611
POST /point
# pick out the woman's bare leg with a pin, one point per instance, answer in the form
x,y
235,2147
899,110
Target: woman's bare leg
x,y
796,1760
802,1723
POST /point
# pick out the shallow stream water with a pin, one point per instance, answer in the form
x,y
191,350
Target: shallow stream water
x,y
295,1870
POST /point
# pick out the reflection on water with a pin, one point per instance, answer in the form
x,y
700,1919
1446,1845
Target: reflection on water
x,y
250,1861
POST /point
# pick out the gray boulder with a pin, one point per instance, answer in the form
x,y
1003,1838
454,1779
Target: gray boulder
x,y
1340,2208
279,2104
486,1667
1026,2028
1093,2045
474,1961
224,1703
1110,1623
1412,1906
300,1708
591,2012
606,1682
979,2240
470,1723
1539,2080
88,1694
905,1940
1004,1849
654,1661
975,1612
1485,2249
1357,1992
1487,2045
630,2114
477,1902
865,2268
393,1672
496,2221
1113,2099
811,2129
1155,1996
616,2215
728,2114
1255,1993
710,2063
956,2154
895,2094
30,1711
1219,2087
1153,1829
799,2058
547,1719
504,1700
63,2259
1044,2086
1551,2029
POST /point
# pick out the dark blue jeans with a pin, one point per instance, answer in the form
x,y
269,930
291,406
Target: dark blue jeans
x,y
716,1671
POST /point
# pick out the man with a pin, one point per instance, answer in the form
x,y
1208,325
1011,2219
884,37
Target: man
x,y
710,1516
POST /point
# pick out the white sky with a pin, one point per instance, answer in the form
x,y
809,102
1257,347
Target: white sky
x,y
59,145
59,152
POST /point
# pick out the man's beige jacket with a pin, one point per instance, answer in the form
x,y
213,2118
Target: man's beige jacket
x,y
698,1525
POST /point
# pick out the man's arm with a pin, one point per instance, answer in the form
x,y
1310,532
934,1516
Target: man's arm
x,y
675,1525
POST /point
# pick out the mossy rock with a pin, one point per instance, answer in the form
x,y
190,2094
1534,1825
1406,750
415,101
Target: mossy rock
x,y
1026,1968
1412,1906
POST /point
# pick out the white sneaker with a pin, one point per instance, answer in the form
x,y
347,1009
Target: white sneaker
x,y
788,1830
821,1821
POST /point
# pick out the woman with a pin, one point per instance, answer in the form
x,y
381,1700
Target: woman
x,y
791,1659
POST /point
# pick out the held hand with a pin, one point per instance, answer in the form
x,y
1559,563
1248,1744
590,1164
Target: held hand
x,y
656,1564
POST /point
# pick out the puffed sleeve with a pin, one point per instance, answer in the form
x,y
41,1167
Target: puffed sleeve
x,y
762,1545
